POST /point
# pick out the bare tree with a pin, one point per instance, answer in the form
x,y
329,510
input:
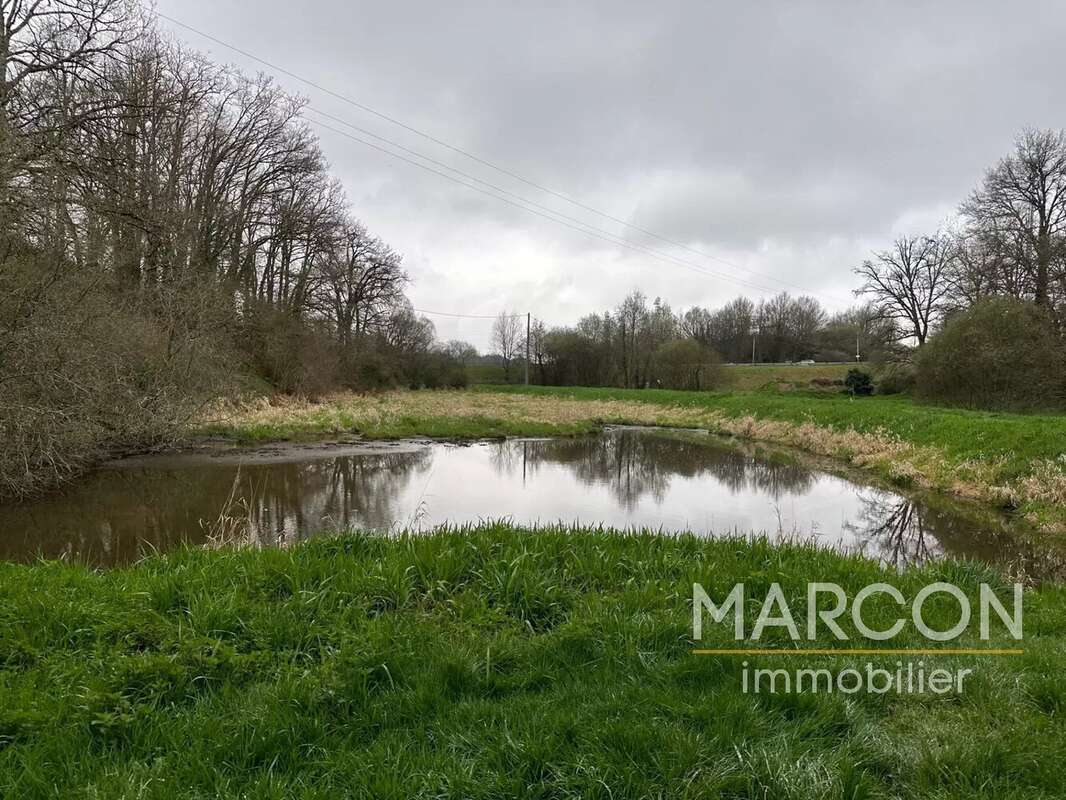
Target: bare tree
x,y
407,332
787,326
49,51
730,329
538,334
38,36
696,323
910,283
1024,195
805,321
363,281
632,319
507,339
462,352
987,263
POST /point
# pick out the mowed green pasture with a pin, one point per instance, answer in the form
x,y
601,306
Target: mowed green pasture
x,y
748,377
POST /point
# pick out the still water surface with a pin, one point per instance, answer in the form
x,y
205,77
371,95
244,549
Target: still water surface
x,y
625,478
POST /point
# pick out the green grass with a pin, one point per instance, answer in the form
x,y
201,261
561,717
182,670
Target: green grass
x,y
749,377
492,373
487,663
1016,439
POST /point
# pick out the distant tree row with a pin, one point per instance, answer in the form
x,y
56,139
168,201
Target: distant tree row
x,y
642,343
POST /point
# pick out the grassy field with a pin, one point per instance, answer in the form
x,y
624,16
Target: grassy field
x,y
1015,439
491,373
1012,460
750,377
491,663
738,377
390,415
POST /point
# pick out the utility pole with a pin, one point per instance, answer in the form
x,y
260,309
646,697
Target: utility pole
x,y
529,320
754,335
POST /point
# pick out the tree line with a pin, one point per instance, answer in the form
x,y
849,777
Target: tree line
x,y
167,223
644,343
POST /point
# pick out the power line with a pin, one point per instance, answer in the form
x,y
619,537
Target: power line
x,y
473,157
553,216
587,228
584,226
466,316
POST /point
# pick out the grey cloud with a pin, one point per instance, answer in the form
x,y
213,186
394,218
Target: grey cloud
x,y
791,135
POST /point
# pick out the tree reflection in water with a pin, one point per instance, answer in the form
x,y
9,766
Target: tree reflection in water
x,y
894,530
116,516
624,478
903,532
635,464
292,501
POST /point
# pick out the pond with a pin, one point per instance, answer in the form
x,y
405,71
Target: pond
x,y
623,478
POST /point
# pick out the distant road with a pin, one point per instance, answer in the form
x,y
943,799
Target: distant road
x,y
791,364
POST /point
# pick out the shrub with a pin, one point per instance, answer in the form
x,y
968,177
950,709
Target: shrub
x,y
435,369
895,378
859,382
88,370
296,356
687,364
999,354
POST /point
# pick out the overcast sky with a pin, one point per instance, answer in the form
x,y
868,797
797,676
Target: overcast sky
x,y
784,138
